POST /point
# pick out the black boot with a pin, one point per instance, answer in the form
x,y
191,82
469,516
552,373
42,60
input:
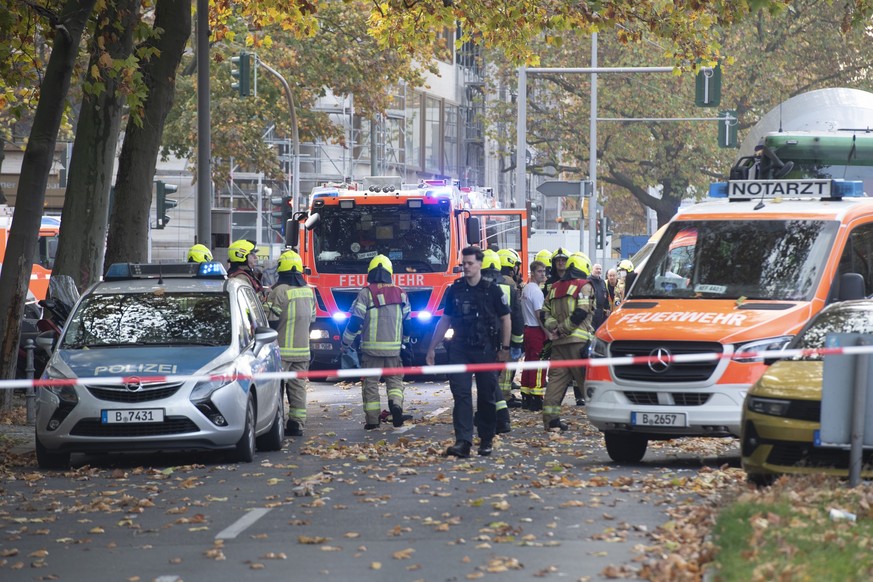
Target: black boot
x,y
525,401
396,414
503,425
486,446
558,423
460,449
292,428
513,401
580,397
371,426
536,403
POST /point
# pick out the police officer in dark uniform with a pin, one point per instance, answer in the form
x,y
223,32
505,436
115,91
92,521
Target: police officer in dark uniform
x,y
478,313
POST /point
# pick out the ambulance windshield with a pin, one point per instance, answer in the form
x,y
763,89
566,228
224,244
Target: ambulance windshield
x,y
415,239
733,259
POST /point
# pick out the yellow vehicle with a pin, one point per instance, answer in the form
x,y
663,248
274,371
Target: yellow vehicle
x,y
781,415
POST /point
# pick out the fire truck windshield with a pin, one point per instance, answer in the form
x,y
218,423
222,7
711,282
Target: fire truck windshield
x,y
415,239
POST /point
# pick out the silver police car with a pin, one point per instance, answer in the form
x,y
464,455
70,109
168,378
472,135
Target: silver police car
x,y
146,323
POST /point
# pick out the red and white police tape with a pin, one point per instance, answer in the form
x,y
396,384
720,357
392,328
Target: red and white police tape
x,y
358,373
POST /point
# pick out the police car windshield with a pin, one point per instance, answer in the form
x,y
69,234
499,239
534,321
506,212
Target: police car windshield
x,y
730,259
415,239
150,319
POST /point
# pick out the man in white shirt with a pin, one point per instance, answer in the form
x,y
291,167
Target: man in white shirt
x,y
533,382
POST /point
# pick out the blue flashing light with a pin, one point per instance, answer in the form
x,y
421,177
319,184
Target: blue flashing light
x,y
718,190
847,189
328,194
118,271
339,317
212,269
424,316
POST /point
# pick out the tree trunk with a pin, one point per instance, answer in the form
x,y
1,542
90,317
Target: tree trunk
x,y
35,168
129,223
2,159
82,240
665,207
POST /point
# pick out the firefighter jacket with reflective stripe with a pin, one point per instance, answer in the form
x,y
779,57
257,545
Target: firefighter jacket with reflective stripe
x,y
510,290
292,310
564,298
380,313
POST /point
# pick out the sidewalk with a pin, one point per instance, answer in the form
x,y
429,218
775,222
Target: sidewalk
x,y
16,436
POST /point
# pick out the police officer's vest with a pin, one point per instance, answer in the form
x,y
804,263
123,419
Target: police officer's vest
x,y
475,321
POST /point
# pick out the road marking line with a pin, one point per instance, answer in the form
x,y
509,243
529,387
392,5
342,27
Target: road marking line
x,y
243,523
438,411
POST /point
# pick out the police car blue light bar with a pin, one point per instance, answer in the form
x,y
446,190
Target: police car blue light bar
x,y
339,317
122,271
793,189
424,316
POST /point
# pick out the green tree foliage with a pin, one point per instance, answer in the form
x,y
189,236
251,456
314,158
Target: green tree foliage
x,y
767,59
338,56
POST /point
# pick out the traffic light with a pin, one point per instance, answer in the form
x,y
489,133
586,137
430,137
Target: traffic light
x,y
163,203
242,71
707,87
282,211
727,129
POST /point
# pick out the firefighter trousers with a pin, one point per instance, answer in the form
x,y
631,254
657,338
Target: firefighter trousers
x,y
370,385
533,382
560,378
295,388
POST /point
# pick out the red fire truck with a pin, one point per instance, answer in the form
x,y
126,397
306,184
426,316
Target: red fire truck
x,y
421,228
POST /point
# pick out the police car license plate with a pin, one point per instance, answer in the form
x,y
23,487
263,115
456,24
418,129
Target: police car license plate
x,y
658,419
119,416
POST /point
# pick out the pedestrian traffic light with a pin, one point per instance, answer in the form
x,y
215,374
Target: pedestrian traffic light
x,y
282,211
707,87
163,203
727,129
242,71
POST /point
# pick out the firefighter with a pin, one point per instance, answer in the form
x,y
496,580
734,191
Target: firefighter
x,y
567,313
478,314
380,313
510,263
626,276
559,265
199,254
290,307
533,381
491,273
243,257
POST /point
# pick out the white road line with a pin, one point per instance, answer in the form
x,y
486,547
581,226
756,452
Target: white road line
x,y
242,523
438,411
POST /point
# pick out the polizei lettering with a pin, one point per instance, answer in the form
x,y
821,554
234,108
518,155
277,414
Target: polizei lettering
x,y
401,279
779,188
124,369
734,319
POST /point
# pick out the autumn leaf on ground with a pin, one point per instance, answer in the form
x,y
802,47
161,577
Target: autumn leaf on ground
x,y
403,554
311,540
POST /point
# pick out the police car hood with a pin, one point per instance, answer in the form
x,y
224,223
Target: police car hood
x,y
139,360
717,320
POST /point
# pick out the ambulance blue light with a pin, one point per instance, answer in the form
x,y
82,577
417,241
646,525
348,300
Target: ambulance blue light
x,y
118,271
718,190
424,316
339,317
847,189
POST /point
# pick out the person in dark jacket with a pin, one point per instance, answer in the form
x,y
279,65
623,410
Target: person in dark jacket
x,y
601,296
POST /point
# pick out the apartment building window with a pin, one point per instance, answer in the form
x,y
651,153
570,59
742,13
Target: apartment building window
x,y
450,143
413,131
433,137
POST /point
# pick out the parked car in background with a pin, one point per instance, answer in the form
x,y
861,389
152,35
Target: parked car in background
x,y
782,411
149,323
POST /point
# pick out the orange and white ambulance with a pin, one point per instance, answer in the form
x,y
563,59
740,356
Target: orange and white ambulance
x,y
737,276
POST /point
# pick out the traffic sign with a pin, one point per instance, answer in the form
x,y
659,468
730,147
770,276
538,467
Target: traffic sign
x,y
564,188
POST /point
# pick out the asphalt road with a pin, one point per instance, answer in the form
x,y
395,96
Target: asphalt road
x,y
342,503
